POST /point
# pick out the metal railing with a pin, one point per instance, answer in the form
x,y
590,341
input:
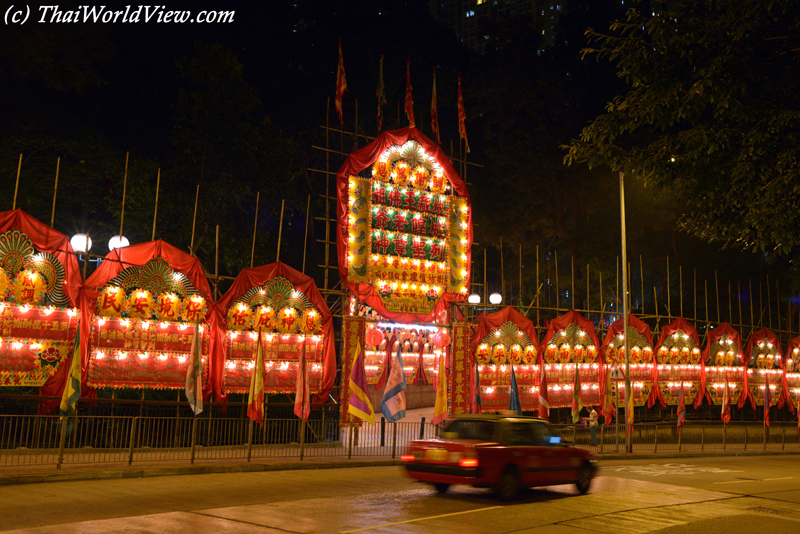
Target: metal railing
x,y
51,440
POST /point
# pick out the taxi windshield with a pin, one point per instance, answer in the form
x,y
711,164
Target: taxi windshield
x,y
466,429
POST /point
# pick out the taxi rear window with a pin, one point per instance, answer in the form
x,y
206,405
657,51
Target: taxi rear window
x,y
464,429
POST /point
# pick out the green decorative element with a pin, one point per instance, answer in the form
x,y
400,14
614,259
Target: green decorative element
x,y
278,293
155,276
680,341
52,271
359,271
16,250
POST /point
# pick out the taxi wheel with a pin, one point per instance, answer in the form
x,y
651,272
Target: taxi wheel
x,y
508,485
584,479
441,487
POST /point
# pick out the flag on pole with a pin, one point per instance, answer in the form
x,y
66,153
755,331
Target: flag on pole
x,y
409,103
72,389
462,115
681,410
726,402
629,411
381,94
608,399
435,111
255,400
302,401
476,404
440,407
360,405
767,402
393,404
577,403
513,402
194,374
341,84
544,397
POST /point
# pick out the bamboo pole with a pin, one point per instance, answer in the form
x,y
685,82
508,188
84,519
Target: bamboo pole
x,y
778,302
194,220
485,291
769,303
327,191
750,283
602,304
155,211
280,232
588,293
680,287
124,190
558,297
502,272
716,287
55,192
669,297
16,186
537,285
305,240
760,305
739,297
520,276
655,298
641,279
705,290
255,227
616,290
216,263
572,262
694,292
730,304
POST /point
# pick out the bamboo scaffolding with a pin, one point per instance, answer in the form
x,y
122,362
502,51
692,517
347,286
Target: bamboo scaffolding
x,y
16,186
769,303
572,261
124,189
520,275
280,233
680,287
55,192
538,292
155,210
194,220
558,296
255,227
641,279
502,273
669,302
305,240
750,283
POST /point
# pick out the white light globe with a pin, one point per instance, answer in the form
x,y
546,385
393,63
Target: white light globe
x,y
117,241
495,299
81,243
474,299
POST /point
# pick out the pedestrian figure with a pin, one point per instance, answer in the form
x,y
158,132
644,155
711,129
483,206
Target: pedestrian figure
x,y
593,426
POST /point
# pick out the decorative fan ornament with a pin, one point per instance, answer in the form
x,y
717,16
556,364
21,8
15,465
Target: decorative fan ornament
x,y
52,271
278,290
253,297
156,276
16,250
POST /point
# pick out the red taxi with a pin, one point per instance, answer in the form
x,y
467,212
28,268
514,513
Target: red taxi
x,y
503,452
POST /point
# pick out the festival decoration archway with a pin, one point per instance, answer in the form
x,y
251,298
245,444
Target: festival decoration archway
x,y
679,360
503,339
286,306
765,361
39,284
724,357
142,303
643,372
570,344
404,227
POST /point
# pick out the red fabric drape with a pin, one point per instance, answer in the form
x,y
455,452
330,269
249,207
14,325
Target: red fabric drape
x,y
357,162
46,239
487,323
256,277
130,256
714,335
387,365
616,329
681,324
560,323
757,336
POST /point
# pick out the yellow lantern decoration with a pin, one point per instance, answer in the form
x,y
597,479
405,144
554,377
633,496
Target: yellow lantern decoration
x,y
110,302
311,321
719,360
239,317
530,355
286,319
437,182
515,354
419,177
482,353
729,358
28,287
264,318
168,307
686,355
3,284
499,353
401,173
139,304
381,170
193,309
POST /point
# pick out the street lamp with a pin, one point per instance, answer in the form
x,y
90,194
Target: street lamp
x,y
81,243
495,299
117,241
474,299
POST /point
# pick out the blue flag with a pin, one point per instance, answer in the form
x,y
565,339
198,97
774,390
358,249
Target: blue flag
x,y
393,404
477,404
513,402
72,389
681,410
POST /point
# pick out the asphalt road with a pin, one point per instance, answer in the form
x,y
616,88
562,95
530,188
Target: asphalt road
x,y
708,495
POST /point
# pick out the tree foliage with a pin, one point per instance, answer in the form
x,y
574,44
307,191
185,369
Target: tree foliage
x,y
711,114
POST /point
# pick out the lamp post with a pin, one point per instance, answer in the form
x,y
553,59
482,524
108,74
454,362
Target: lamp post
x,y
117,241
82,243
628,389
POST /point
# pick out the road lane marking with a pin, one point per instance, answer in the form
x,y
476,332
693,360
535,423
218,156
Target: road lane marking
x,y
752,480
418,519
781,478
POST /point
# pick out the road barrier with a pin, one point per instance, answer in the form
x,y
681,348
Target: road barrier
x,y
52,440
